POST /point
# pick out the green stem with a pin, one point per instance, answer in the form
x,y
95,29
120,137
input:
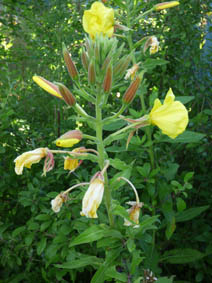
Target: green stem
x,y
101,151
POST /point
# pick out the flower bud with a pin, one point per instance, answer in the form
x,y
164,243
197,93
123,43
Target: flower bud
x,y
84,59
69,63
166,5
107,83
47,86
131,91
91,73
121,67
69,139
67,95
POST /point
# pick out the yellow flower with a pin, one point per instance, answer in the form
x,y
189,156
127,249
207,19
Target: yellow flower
x,y
57,202
72,163
98,19
171,117
93,196
28,158
134,213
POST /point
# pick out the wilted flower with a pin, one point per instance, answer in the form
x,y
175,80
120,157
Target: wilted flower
x,y
28,158
154,45
171,117
98,19
69,139
134,213
132,71
58,202
93,196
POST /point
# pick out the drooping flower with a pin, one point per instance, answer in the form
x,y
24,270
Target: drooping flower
x,y
28,158
134,213
171,116
57,202
132,71
98,20
93,196
154,45
69,139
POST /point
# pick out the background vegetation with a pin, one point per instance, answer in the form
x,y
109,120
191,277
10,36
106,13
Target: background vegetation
x,y
32,238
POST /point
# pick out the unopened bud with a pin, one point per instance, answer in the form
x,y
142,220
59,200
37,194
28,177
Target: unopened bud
x,y
121,67
69,63
166,5
106,62
91,73
84,59
47,86
67,95
69,139
107,83
131,91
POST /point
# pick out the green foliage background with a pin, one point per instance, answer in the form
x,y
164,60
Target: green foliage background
x,y
34,241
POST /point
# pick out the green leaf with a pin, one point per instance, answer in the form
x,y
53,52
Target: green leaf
x,y
186,137
112,273
111,256
165,279
144,170
181,205
114,125
43,217
41,246
181,256
17,231
118,164
152,63
91,234
190,213
84,260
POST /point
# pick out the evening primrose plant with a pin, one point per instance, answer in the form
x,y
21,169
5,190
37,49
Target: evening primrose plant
x,y
108,64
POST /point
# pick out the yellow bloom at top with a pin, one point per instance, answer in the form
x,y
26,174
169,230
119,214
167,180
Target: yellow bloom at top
x,y
99,19
171,116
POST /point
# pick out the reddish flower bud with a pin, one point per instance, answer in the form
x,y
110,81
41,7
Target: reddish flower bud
x,y
67,95
107,83
69,63
131,91
84,59
69,139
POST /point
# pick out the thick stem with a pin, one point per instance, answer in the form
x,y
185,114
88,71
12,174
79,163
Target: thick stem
x,y
101,157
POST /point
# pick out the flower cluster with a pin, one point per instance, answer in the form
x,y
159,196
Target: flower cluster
x,y
104,65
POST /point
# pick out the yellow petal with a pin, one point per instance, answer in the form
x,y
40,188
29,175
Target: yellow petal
x,y
171,117
99,19
47,86
66,142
